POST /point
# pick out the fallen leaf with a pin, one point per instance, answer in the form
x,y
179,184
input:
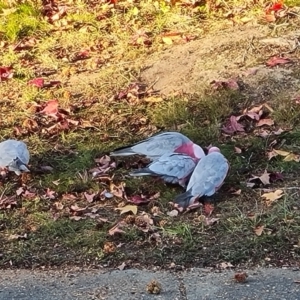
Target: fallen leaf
x,y
282,153
237,150
225,265
262,122
238,192
128,208
259,230
233,126
109,247
264,179
241,277
76,208
58,205
138,199
272,197
38,82
172,213
5,73
17,237
89,197
51,107
271,154
210,221
274,61
117,228
292,157
208,208
122,266
275,176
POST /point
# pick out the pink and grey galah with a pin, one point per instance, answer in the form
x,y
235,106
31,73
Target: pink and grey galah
x,y
207,178
171,167
160,144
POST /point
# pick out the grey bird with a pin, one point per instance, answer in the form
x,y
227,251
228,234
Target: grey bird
x,y
206,179
14,156
160,144
172,168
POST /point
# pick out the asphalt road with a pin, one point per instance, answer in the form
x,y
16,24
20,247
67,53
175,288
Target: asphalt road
x,y
131,284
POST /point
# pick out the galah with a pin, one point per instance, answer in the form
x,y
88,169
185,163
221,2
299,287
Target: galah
x,y
171,167
207,178
160,144
14,156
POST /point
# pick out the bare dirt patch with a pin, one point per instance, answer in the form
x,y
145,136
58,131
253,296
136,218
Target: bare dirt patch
x,y
226,54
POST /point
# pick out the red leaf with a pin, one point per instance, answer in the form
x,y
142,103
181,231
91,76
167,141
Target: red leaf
x,y
233,126
274,61
5,73
208,208
138,199
38,82
51,107
276,6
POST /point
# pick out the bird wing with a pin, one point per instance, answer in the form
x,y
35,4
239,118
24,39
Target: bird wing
x,y
154,146
173,165
160,144
208,175
23,153
10,150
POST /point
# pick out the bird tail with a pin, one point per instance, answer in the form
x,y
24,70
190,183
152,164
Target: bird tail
x,y
184,200
122,151
142,172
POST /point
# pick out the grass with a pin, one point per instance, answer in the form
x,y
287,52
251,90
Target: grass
x,y
44,230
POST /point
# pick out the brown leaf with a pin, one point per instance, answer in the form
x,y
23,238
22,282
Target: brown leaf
x,y
237,150
238,192
109,247
58,205
241,277
262,122
17,237
271,154
117,228
264,178
89,197
259,230
76,208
